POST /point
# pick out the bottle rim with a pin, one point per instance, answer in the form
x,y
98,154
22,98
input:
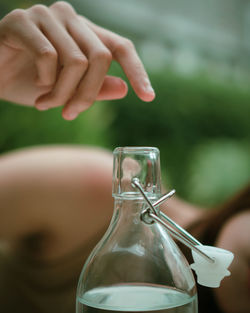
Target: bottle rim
x,y
135,149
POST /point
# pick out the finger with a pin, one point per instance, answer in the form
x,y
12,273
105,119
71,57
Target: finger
x,y
72,60
112,88
87,91
124,53
26,35
99,61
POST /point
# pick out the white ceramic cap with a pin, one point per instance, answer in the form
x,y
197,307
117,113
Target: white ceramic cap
x,y
211,274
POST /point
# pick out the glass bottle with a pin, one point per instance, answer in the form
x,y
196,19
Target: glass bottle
x,y
136,267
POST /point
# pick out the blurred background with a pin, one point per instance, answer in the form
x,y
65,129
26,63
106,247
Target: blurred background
x,y
197,54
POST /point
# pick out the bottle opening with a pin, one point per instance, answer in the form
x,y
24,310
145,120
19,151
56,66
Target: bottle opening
x,y
136,162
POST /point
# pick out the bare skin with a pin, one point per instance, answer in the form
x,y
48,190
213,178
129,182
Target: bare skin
x,y
51,56
234,294
52,191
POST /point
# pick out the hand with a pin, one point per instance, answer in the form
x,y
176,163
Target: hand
x,y
50,57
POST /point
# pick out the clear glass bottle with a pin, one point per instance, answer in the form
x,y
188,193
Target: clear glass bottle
x,y
136,267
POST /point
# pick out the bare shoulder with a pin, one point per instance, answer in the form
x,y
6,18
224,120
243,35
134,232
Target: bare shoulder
x,y
63,192
233,294
235,234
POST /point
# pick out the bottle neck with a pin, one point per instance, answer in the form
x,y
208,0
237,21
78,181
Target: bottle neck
x,y
129,204
128,210
126,222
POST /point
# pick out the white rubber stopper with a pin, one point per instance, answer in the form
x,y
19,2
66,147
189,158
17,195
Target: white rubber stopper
x,y
211,274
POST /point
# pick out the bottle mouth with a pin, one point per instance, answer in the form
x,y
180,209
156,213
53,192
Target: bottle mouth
x,y
142,163
137,150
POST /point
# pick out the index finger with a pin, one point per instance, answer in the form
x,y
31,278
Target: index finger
x,y
125,54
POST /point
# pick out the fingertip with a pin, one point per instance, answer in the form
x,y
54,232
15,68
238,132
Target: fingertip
x,y
144,90
41,106
122,89
113,88
147,97
69,115
146,94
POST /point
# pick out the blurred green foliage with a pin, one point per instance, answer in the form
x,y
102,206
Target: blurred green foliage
x,y
22,127
7,6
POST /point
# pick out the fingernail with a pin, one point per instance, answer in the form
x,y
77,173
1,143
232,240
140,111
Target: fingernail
x,y
72,115
41,107
148,87
150,90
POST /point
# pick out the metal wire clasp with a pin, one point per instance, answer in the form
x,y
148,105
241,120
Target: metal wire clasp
x,y
151,215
